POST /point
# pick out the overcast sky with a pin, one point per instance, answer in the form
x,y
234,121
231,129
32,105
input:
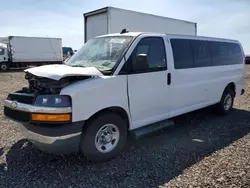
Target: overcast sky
x,y
64,18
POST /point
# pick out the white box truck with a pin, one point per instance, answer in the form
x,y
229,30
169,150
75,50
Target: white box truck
x,y
114,20
19,51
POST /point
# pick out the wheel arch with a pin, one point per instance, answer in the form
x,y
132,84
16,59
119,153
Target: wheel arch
x,y
220,106
232,86
113,109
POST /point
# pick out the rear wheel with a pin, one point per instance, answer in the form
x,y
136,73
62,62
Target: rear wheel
x,y
104,138
226,103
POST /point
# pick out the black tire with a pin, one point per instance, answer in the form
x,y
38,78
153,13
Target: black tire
x,y
88,146
4,67
222,107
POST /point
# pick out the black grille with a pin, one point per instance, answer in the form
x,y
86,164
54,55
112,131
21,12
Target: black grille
x,y
17,115
22,98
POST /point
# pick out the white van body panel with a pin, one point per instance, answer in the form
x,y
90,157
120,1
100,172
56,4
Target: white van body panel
x,y
146,97
201,87
95,94
196,88
148,92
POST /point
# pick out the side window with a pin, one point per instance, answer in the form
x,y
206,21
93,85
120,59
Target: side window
x,y
201,53
237,54
219,53
154,48
224,53
1,51
182,53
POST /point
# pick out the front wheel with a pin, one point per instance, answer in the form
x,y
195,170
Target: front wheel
x,y
226,103
3,66
104,138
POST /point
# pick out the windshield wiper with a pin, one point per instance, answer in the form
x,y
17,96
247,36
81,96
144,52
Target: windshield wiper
x,y
106,72
77,65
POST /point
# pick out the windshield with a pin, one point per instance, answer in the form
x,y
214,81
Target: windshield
x,y
102,53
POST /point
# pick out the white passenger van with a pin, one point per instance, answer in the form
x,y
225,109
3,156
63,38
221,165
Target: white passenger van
x,y
122,83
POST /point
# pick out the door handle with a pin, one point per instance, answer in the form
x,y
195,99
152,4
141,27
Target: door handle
x,y
169,78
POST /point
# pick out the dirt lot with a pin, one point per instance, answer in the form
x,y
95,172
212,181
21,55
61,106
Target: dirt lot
x,y
203,150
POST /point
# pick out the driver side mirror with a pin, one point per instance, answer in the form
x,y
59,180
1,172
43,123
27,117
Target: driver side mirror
x,y
141,63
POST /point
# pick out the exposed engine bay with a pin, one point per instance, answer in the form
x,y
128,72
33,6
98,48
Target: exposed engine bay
x,y
43,86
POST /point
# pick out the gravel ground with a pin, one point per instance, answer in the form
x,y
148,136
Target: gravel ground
x,y
202,150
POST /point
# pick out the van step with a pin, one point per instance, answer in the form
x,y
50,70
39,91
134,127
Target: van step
x,y
152,128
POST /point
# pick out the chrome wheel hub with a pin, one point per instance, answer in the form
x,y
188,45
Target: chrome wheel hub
x,y
228,102
107,138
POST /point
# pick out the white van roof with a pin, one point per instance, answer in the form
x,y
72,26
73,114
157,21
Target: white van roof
x,y
135,34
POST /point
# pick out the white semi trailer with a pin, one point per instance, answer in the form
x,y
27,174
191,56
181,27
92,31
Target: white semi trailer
x,y
18,51
113,20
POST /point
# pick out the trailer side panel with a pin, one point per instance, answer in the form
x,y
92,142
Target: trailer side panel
x,y
141,22
32,49
96,25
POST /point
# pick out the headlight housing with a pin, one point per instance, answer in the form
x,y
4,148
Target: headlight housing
x,y
53,100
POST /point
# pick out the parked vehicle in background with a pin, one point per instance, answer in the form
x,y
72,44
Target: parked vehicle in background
x,y
24,51
125,83
112,20
247,59
3,52
67,52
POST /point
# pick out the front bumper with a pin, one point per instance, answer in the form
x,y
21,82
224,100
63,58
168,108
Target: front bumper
x,y
57,139
60,138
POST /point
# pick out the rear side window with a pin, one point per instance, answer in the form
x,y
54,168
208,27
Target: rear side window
x,y
201,53
224,53
198,53
237,54
182,53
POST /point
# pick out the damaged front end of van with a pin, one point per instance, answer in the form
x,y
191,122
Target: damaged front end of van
x,y
45,114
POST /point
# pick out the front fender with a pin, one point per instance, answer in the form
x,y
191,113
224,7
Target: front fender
x,y
94,94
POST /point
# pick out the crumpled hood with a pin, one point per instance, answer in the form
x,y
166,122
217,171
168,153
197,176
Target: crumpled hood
x,y
56,72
